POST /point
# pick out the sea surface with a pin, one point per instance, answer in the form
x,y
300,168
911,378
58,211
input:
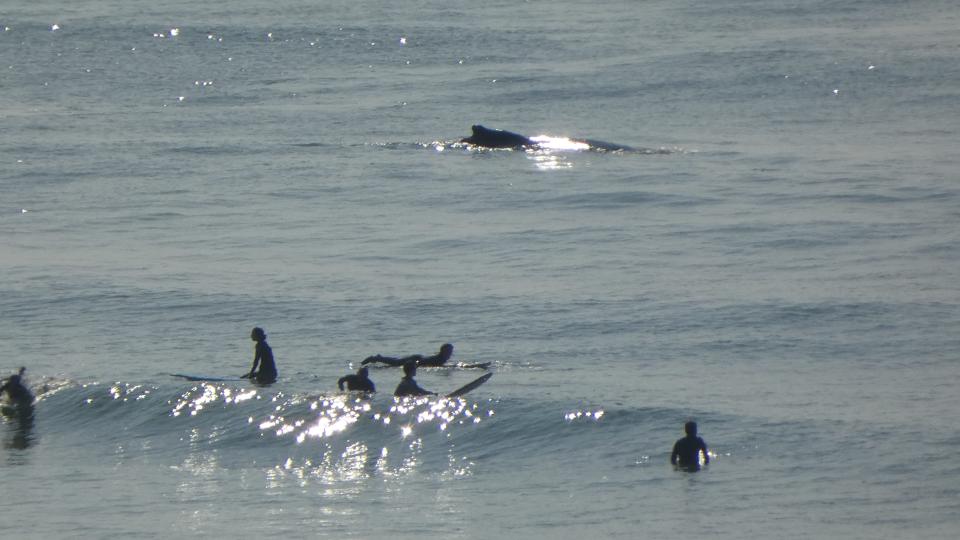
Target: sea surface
x,y
777,257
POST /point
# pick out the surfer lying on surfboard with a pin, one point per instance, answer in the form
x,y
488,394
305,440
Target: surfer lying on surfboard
x,y
437,360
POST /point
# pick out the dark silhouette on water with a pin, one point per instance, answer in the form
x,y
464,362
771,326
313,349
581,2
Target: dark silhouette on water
x,y
499,138
18,407
360,381
263,355
17,393
436,360
686,451
496,138
408,386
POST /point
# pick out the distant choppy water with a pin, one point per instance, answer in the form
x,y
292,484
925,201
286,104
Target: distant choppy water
x,y
778,262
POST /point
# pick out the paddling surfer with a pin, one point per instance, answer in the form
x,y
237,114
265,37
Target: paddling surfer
x,y
686,451
359,381
436,360
262,356
408,386
17,392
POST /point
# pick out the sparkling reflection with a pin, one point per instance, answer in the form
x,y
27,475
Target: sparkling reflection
x,y
200,396
548,156
550,162
345,439
127,392
331,440
583,415
559,143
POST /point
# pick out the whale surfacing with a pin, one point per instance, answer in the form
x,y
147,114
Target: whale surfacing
x,y
496,138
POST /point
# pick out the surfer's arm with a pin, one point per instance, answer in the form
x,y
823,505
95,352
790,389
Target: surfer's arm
x,y
256,361
675,453
340,382
388,360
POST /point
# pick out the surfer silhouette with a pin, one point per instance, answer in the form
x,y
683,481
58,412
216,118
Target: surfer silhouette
x,y
686,451
20,409
436,360
262,356
359,381
408,386
17,392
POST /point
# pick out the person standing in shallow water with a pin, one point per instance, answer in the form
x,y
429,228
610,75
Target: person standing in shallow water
x,y
686,451
262,356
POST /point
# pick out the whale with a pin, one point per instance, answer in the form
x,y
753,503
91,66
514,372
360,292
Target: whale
x,y
485,137
496,138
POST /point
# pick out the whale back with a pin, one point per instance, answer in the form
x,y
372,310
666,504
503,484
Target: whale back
x,y
496,138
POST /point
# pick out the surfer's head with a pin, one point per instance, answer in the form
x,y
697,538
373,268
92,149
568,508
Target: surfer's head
x,y
363,372
446,351
690,428
16,378
410,368
257,334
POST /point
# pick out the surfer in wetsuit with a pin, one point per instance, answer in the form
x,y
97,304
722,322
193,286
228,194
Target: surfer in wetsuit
x,y
686,451
437,360
16,391
263,356
360,381
408,386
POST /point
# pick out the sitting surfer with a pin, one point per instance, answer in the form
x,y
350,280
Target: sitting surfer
x,y
436,360
408,386
17,393
359,381
262,356
686,451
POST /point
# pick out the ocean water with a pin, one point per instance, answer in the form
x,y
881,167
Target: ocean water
x,y
776,258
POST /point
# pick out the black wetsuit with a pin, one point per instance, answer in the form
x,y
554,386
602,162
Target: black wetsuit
x,y
435,360
431,361
268,369
357,383
388,360
409,387
16,391
686,452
